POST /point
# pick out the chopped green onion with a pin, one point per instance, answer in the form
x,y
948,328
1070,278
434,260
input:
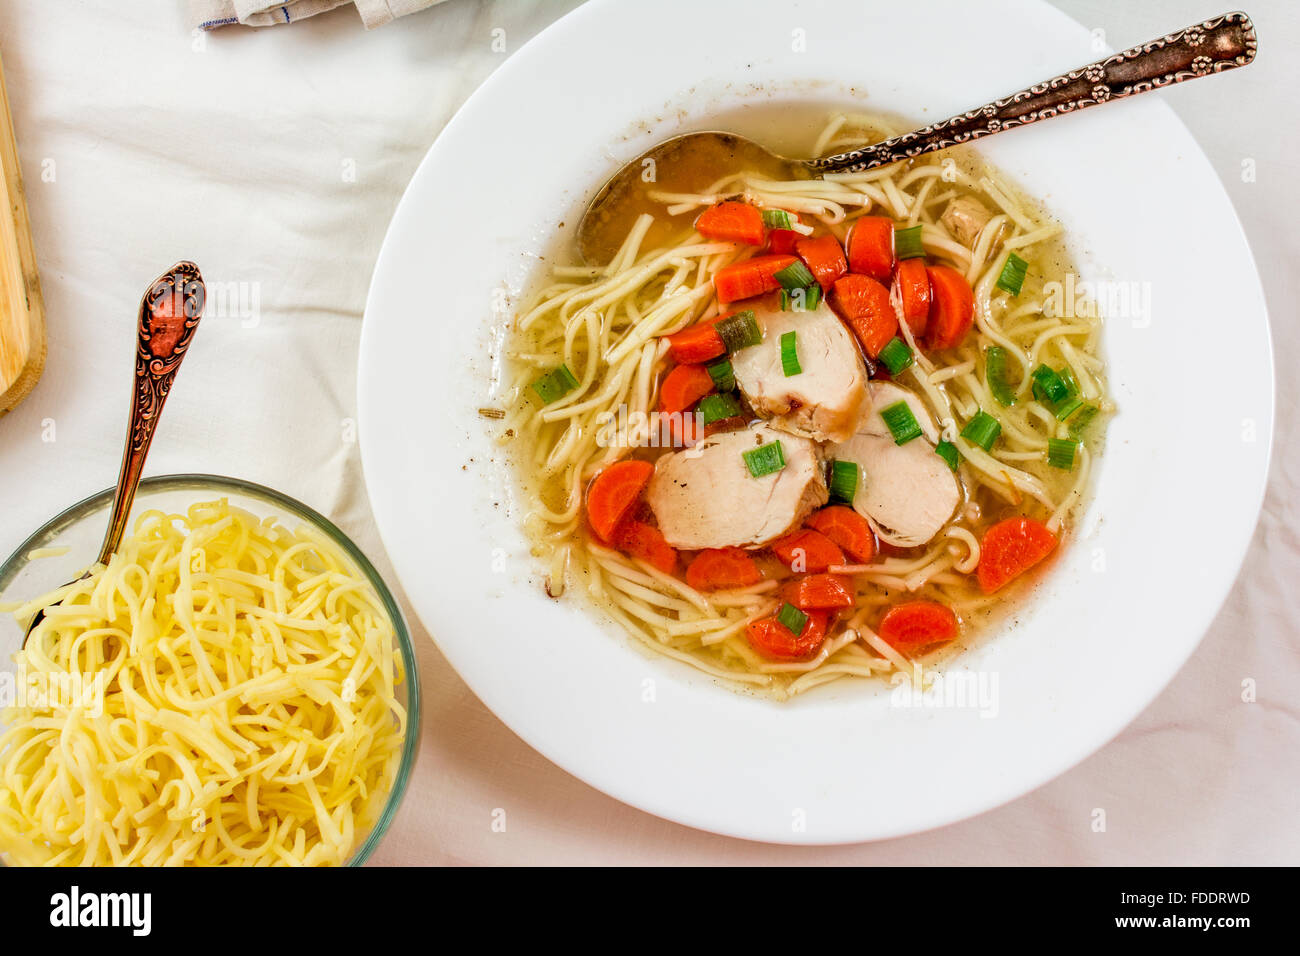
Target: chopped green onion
x,y
901,422
723,375
795,276
995,371
740,331
1068,407
907,243
949,453
1049,388
844,480
792,618
555,384
1060,453
1013,274
776,219
896,355
790,354
714,408
1058,390
982,430
1085,415
801,300
765,459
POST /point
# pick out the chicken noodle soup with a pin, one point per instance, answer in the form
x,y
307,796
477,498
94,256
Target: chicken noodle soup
x,y
246,708
878,426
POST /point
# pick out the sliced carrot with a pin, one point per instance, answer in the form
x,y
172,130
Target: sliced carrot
x,y
910,295
848,529
772,638
871,247
807,550
696,343
819,592
952,307
613,492
722,568
824,258
645,541
731,221
683,387
781,241
864,304
1010,548
744,280
918,623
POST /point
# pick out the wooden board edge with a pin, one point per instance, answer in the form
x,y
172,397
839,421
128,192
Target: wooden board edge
x,y
26,254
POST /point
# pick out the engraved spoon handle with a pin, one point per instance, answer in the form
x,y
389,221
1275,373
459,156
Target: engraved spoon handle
x,y
169,315
1222,43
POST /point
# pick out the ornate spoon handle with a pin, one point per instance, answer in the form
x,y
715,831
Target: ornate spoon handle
x,y
169,315
1223,43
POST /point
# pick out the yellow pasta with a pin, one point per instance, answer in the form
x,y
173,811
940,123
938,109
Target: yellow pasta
x,y
223,692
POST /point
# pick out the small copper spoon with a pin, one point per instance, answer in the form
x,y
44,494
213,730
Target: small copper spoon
x,y
169,314
1212,46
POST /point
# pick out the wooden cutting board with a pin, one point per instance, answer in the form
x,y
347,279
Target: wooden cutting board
x,y
22,312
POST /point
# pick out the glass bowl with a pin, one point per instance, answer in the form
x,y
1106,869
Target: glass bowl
x,y
80,529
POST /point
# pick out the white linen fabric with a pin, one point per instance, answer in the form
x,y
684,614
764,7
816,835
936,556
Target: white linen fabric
x,y
275,158
212,14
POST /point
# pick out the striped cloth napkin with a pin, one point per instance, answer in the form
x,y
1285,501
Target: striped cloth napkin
x,y
211,14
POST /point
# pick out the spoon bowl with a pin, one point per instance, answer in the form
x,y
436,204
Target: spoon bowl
x,y
1202,49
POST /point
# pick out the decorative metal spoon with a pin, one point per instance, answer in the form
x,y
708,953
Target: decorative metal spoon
x,y
1212,46
169,315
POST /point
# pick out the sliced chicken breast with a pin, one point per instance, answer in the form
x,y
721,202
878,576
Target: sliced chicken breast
x,y
705,496
884,394
906,492
965,218
825,400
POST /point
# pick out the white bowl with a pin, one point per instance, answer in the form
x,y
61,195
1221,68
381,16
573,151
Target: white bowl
x,y
1179,486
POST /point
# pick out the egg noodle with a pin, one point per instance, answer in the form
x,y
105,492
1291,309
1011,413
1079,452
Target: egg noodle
x,y
605,323
248,714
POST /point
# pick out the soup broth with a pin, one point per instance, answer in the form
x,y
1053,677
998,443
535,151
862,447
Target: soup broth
x,y
591,352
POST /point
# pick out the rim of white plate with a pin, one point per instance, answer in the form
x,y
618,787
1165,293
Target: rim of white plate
x,y
845,763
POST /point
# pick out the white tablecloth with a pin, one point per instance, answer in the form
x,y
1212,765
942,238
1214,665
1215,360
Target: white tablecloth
x,y
274,159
